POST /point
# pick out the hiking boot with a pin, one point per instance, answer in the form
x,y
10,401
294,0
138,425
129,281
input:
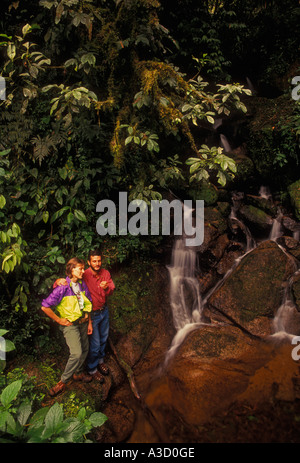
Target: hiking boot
x,y
57,389
82,377
98,377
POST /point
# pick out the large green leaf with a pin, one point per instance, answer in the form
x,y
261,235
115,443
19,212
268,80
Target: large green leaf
x,y
53,419
10,393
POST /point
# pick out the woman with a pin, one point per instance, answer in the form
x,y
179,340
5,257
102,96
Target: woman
x,y
73,307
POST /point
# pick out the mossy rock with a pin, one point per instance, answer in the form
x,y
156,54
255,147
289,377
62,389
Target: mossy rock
x,y
256,216
254,288
206,192
244,165
296,291
294,192
224,207
214,217
132,301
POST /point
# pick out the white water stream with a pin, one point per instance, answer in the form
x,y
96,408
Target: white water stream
x,y
185,298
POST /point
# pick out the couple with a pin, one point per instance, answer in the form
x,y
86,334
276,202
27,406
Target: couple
x,y
80,301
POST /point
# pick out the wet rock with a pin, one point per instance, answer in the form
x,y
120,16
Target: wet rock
x,y
131,346
294,192
252,293
119,425
244,165
262,203
291,245
207,192
206,281
256,217
228,260
215,368
218,248
296,290
290,224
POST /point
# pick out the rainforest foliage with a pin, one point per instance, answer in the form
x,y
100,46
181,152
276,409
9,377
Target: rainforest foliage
x,y
104,96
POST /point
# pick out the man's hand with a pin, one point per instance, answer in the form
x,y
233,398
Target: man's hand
x,y
60,282
104,284
90,328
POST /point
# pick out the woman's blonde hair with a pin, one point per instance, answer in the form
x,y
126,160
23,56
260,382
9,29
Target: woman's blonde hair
x,y
72,264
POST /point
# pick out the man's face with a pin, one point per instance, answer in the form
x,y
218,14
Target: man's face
x,y
95,263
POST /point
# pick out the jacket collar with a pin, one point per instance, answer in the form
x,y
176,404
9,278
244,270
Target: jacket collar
x,y
68,279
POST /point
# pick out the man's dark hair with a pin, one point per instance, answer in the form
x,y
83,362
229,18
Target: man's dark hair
x,y
94,252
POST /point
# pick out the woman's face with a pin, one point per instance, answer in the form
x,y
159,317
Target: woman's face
x,y
77,272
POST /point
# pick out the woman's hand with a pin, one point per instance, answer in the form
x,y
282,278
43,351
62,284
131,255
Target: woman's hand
x,y
64,322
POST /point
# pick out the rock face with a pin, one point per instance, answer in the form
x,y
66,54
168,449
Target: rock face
x,y
294,191
252,293
216,368
232,360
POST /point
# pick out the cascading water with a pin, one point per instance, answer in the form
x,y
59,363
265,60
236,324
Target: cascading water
x,y
185,297
236,202
264,192
282,326
225,143
186,300
276,227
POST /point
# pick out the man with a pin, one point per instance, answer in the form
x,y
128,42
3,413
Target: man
x,y
100,285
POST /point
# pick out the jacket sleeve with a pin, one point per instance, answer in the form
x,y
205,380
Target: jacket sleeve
x,y
54,297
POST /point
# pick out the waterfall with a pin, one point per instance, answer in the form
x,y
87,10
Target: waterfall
x,y
285,313
250,85
185,297
225,143
264,192
276,227
236,202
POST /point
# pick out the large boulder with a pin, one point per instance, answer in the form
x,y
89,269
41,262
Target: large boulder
x,y
216,367
252,293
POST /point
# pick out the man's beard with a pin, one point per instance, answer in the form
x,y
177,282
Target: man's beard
x,y
93,268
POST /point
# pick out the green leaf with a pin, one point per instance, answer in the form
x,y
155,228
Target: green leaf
x,y
10,393
97,419
38,418
128,140
2,201
53,419
8,346
24,413
80,215
45,216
